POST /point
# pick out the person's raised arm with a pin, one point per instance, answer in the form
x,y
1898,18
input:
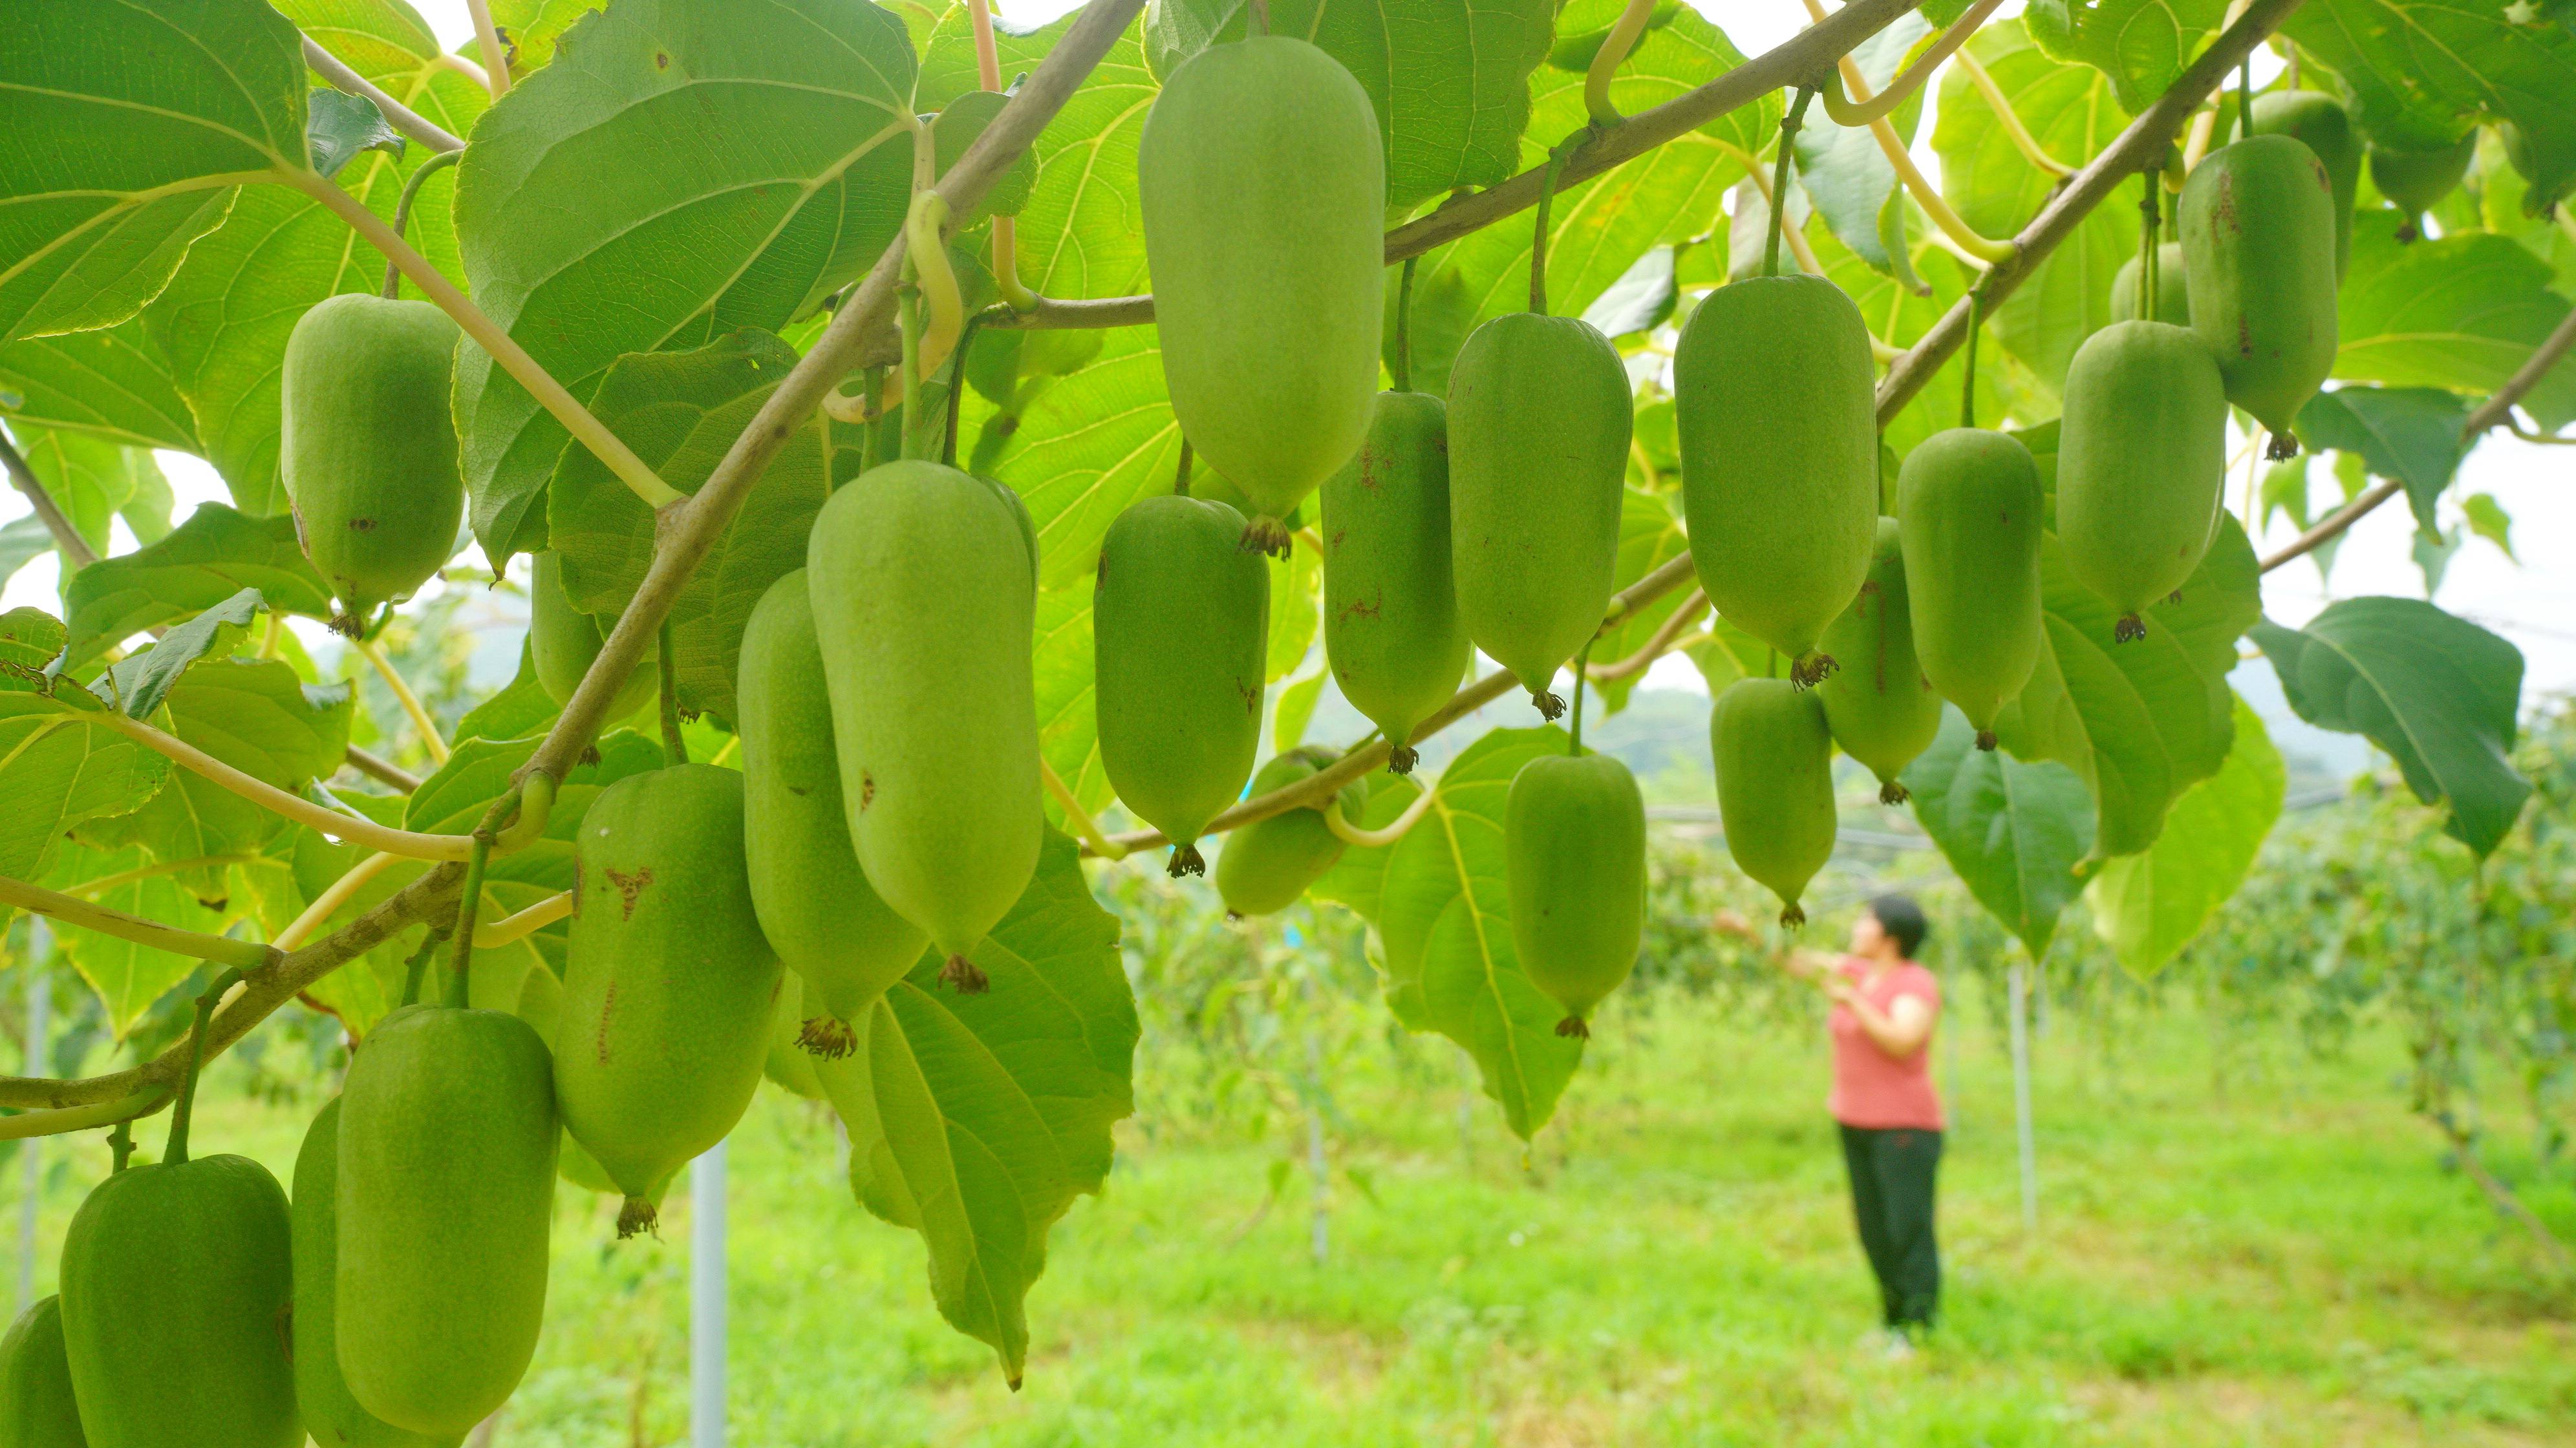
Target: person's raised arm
x,y
1808,965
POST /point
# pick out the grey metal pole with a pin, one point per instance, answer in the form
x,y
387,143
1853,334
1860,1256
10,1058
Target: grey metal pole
x,y
707,1300
2021,1096
40,1024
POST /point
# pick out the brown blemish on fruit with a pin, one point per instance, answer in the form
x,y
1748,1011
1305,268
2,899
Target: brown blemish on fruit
x,y
1370,607
629,887
607,1012
1251,696
362,525
867,789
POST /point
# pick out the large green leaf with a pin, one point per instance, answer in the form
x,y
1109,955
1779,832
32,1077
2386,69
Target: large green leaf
x,y
2149,906
138,684
680,412
2460,312
225,317
258,717
2013,831
1068,724
2420,70
129,977
129,124
114,383
1650,535
214,555
1443,917
2139,722
1598,229
2142,45
698,166
2073,111
58,771
2411,434
2439,693
1449,78
976,1120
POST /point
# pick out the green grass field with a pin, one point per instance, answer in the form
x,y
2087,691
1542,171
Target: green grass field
x,y
2288,1262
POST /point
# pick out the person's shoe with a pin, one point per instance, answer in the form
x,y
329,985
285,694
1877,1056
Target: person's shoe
x,y
1895,1346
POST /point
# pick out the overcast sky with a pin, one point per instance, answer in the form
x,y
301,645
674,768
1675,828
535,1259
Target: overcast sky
x,y
2534,606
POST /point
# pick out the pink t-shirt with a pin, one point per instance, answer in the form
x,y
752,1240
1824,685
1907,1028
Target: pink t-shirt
x,y
1871,1087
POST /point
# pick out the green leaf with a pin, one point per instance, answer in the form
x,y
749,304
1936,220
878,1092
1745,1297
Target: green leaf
x,y
2417,70
129,977
338,127
1640,301
23,541
1296,609
114,383
258,717
1650,535
531,28
1068,726
1449,81
129,125
2013,831
1600,228
1296,710
2139,722
680,412
141,682
2459,312
1843,171
521,708
2488,519
212,557
2411,434
1444,918
91,477
2149,906
225,317
2438,693
734,166
976,1120
958,125
59,773
2074,112
2142,45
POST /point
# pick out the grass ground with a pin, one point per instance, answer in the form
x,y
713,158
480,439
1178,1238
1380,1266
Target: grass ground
x,y
2283,1262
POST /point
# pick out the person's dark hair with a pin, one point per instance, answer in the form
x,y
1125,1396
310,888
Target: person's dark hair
x,y
1900,917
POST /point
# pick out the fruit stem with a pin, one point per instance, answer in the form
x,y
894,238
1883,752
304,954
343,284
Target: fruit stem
x,y
1582,666
1076,816
1181,474
1385,834
416,969
1606,61
2149,273
908,319
1402,365
1789,124
120,1146
469,900
675,750
437,162
1968,361
2245,96
1538,236
187,1110
1259,23
374,651
957,390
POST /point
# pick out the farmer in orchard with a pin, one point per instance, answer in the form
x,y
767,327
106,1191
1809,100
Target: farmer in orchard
x,y
1885,1006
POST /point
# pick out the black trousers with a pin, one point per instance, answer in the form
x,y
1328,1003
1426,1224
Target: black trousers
x,y
1892,1176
